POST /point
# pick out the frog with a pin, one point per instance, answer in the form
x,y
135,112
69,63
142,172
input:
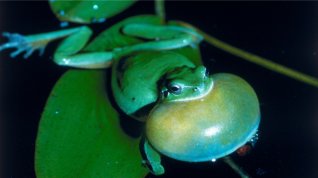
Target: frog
x,y
74,51
155,83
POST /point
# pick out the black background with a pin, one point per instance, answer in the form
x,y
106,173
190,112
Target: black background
x,y
285,32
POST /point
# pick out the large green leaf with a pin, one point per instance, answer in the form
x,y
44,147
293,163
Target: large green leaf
x,y
79,133
88,11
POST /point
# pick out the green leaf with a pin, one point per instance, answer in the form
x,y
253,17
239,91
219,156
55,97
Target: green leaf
x,y
80,135
192,53
88,11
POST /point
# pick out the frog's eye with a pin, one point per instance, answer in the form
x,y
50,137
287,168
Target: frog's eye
x,y
174,89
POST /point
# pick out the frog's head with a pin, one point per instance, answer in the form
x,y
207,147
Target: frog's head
x,y
184,83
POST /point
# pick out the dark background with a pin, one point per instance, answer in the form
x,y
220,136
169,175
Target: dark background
x,y
285,32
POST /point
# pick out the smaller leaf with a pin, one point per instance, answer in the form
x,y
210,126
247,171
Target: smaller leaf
x,y
88,11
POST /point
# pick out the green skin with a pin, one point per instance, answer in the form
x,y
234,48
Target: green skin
x,y
176,71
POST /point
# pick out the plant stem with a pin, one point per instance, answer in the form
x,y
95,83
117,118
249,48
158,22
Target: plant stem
x,y
263,62
235,167
160,9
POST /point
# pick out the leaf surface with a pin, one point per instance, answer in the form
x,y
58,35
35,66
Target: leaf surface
x,y
80,134
88,11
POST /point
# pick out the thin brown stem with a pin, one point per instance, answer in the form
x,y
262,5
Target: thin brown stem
x,y
263,62
160,9
235,167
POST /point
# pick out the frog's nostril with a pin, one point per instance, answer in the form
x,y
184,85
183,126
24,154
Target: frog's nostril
x,y
165,93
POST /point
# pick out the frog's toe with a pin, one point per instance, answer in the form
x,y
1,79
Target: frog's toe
x,y
14,41
28,53
21,43
17,51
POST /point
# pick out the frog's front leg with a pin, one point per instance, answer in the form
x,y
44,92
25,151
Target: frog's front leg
x,y
152,159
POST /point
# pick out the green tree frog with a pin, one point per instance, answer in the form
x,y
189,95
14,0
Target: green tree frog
x,y
190,115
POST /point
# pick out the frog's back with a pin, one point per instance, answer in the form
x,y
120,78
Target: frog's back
x,y
136,79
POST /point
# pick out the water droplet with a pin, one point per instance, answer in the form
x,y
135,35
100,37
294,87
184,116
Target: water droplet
x,y
95,7
100,20
61,12
213,160
64,24
66,61
56,112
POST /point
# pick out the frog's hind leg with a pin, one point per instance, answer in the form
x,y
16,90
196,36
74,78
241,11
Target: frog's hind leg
x,y
162,37
31,43
69,52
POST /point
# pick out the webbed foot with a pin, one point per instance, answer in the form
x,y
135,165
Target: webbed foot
x,y
22,44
